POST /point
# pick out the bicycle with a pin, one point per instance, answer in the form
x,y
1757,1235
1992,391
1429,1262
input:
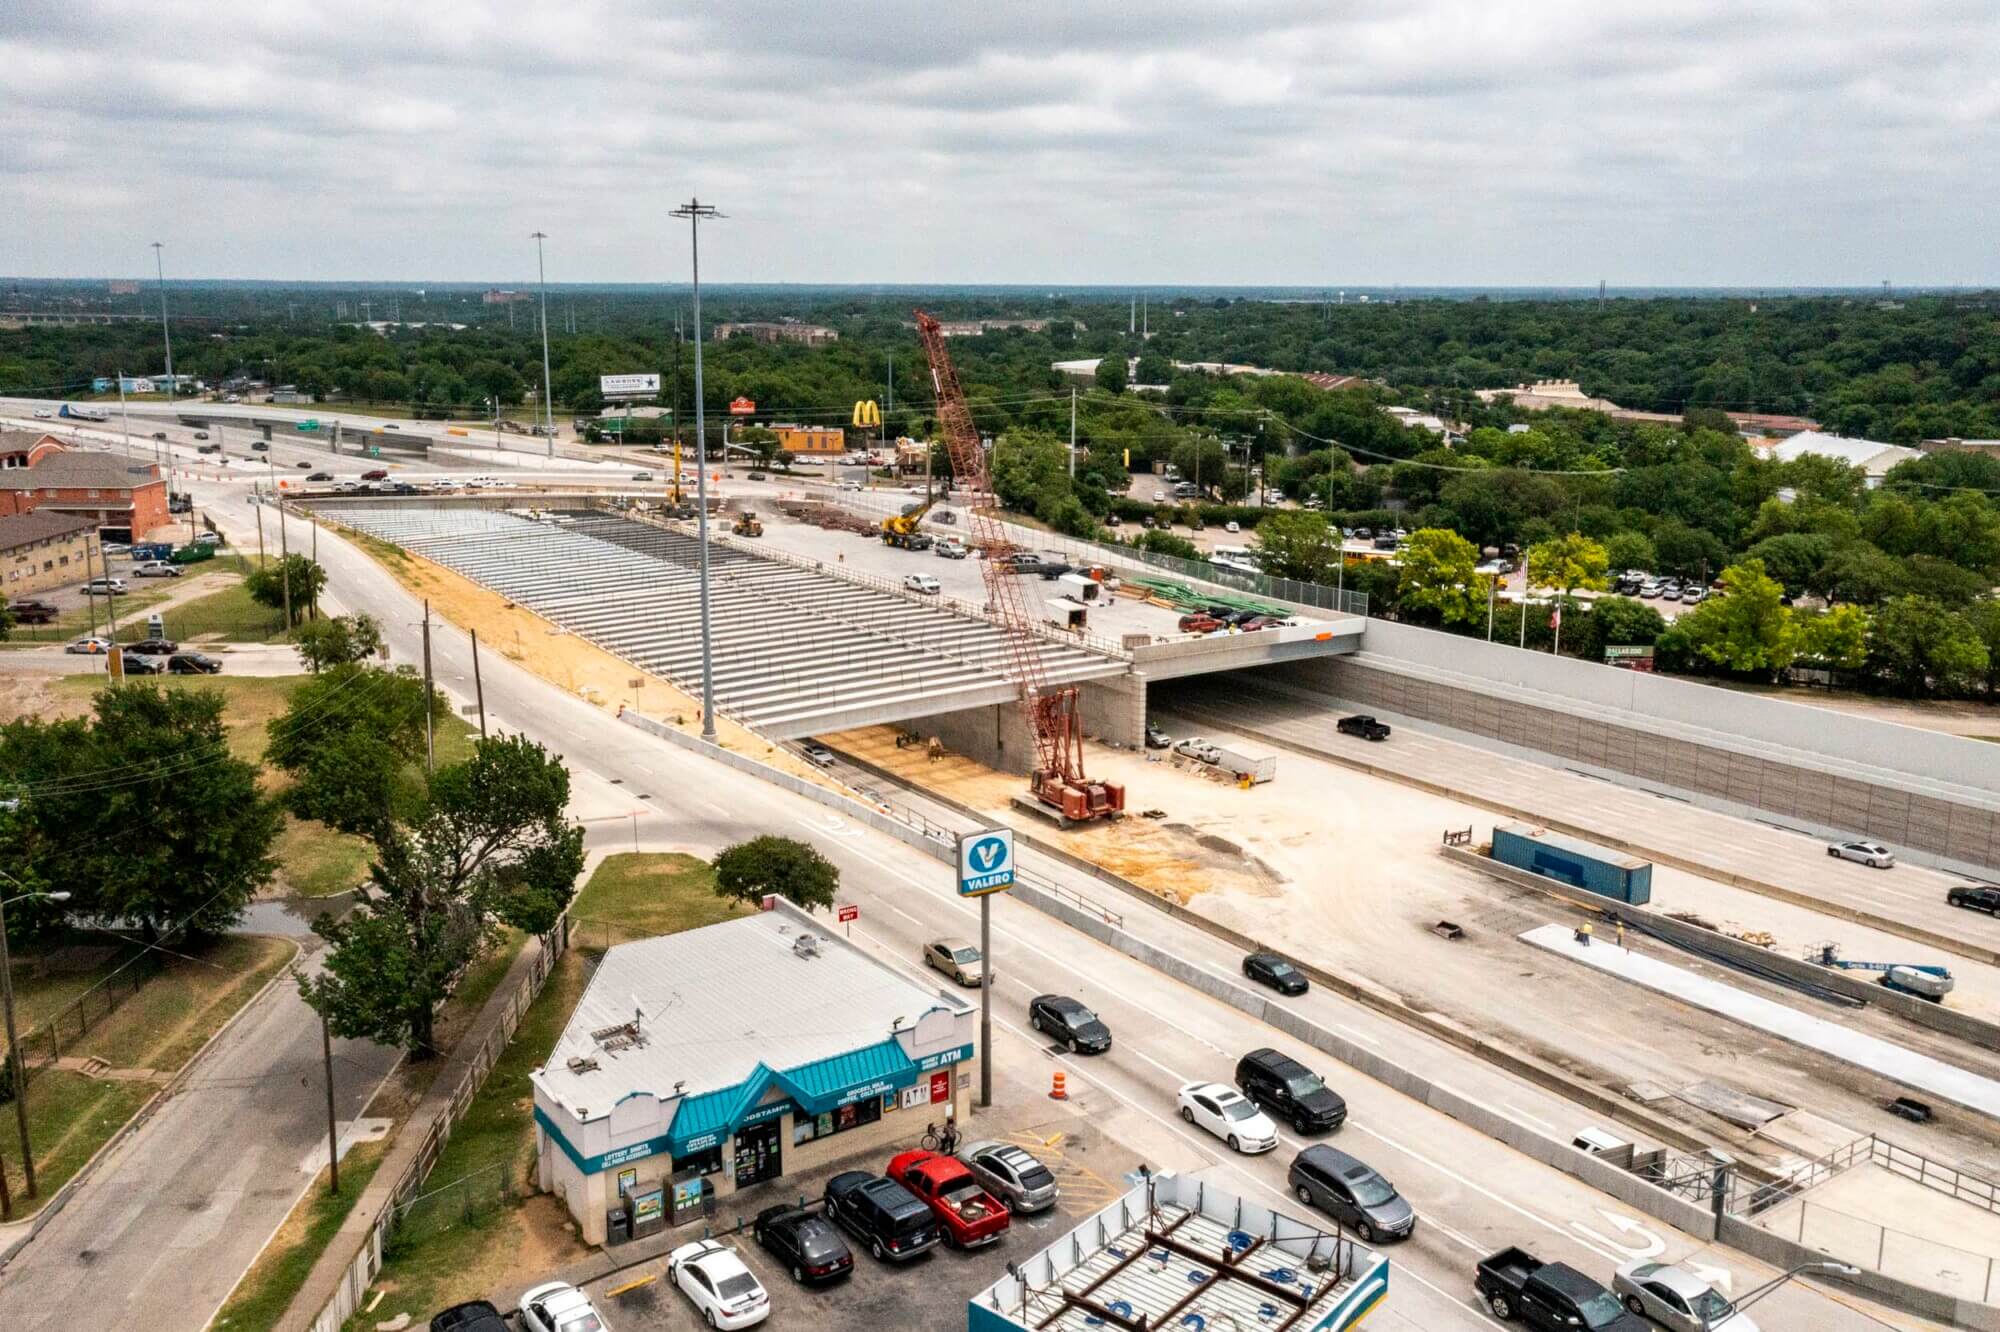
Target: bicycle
x,y
945,1141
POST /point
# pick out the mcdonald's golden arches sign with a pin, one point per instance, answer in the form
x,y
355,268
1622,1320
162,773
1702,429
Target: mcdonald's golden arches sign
x,y
867,412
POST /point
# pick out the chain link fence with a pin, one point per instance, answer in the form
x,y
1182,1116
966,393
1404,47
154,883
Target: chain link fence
x,y
469,1200
44,1045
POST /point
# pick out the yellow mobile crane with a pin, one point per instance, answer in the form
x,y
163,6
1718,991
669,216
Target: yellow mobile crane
x,y
906,528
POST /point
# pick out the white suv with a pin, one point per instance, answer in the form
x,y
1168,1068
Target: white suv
x,y
923,583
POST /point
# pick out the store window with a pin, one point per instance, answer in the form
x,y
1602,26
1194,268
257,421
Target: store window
x,y
806,1128
706,1161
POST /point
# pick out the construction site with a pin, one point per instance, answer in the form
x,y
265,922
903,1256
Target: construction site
x,y
924,652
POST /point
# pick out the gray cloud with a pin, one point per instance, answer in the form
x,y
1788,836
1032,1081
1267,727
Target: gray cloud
x,y
1469,141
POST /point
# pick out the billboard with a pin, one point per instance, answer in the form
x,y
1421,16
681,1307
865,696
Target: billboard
x,y
628,386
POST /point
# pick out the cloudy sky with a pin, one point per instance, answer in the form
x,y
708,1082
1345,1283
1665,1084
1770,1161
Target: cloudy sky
x,y
1417,141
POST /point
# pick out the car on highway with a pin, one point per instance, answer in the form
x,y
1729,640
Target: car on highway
x,y
803,1242
378,474
259,446
968,1216
1551,1297
1229,1115
642,476
160,435
1012,1174
1363,725
302,465
1157,738
193,663
91,645
922,583
1072,1024
1195,747
716,1282
156,569
320,476
473,1316
892,1222
1290,1091
816,754
209,448
1872,854
44,414
1272,970
1975,899
1676,1298
956,958
201,434
558,1306
1350,1192
154,647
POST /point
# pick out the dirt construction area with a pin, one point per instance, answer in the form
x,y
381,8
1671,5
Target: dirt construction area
x,y
1342,868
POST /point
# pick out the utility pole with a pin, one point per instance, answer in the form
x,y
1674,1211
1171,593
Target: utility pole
x,y
332,1134
284,562
430,744
694,211
260,534
1492,594
478,689
1072,432
125,419
13,1042
160,266
548,405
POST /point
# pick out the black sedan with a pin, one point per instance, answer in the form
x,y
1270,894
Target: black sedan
x,y
804,1243
1272,970
154,647
193,663
1073,1025
320,476
141,665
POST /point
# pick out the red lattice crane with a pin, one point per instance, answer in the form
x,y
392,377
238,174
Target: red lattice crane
x,y
1053,715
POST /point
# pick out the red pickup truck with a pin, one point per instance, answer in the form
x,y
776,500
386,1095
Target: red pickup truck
x,y
969,1214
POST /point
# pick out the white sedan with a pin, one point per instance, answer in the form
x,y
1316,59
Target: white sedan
x,y
559,1307
1225,1112
1872,854
715,1279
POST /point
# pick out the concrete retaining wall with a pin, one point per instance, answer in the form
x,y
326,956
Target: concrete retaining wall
x,y
1785,1254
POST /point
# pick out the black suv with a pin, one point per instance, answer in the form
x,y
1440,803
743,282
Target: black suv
x,y
478,1316
1069,1022
154,647
1290,1091
1976,899
35,612
804,1242
1272,970
893,1222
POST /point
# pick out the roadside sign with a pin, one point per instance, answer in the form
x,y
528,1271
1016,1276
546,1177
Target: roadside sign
x,y
742,407
847,912
628,386
985,862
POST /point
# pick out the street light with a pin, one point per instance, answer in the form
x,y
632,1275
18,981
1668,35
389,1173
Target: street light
x,y
548,407
694,210
160,266
14,1045
1837,1269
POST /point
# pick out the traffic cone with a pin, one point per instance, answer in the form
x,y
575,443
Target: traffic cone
x,y
1059,1092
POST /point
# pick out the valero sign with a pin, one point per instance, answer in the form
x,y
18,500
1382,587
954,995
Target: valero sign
x,y
985,862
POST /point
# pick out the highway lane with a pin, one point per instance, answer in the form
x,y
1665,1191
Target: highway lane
x,y
1479,1194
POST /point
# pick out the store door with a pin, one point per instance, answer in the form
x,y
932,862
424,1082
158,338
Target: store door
x,y
758,1155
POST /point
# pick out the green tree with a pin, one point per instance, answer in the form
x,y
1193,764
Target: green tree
x,y
292,575
351,738
1166,543
1920,646
6,620
1794,559
1746,629
491,847
1298,544
338,640
791,869
1568,563
1624,622
1154,368
1629,550
1439,574
1984,617
1837,637
1201,461
1690,552
1111,372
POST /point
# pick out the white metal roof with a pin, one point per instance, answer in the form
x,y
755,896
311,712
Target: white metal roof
x,y
713,1003
1871,455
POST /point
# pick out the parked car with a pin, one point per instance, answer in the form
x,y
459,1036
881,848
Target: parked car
x,y
137,665
1197,748
956,958
559,1307
476,1316
156,569
969,1216
106,587
154,647
1199,623
642,476
1352,1193
1290,1091
1975,899
1011,1174
1256,622
1229,1115
193,663
1113,520
1157,738
803,1242
922,583
209,448
1363,725
1553,1297
90,646
378,474
892,1222
1676,1298
160,435
1873,854
207,539
817,754
1272,970
27,611
1069,1022
952,549
716,1282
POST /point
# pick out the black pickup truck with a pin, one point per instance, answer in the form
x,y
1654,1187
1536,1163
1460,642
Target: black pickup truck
x,y
1364,726
1551,1296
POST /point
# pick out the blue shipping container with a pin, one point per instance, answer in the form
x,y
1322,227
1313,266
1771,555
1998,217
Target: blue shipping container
x,y
1575,862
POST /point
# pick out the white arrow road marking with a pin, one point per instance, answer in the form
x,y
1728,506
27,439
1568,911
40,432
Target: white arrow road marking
x,y
1719,1277
832,826
1650,1245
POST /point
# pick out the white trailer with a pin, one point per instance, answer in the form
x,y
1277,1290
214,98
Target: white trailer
x,y
1245,762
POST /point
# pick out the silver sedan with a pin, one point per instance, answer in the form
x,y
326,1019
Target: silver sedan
x,y
1675,1297
1873,854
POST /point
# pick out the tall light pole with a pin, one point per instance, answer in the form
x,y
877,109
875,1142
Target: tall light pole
x,y
13,1044
160,266
1837,1269
548,407
694,210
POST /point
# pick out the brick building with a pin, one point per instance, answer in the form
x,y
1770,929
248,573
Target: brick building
x,y
39,551
812,335
24,448
108,490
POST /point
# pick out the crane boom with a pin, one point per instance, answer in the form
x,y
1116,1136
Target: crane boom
x,y
1053,715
